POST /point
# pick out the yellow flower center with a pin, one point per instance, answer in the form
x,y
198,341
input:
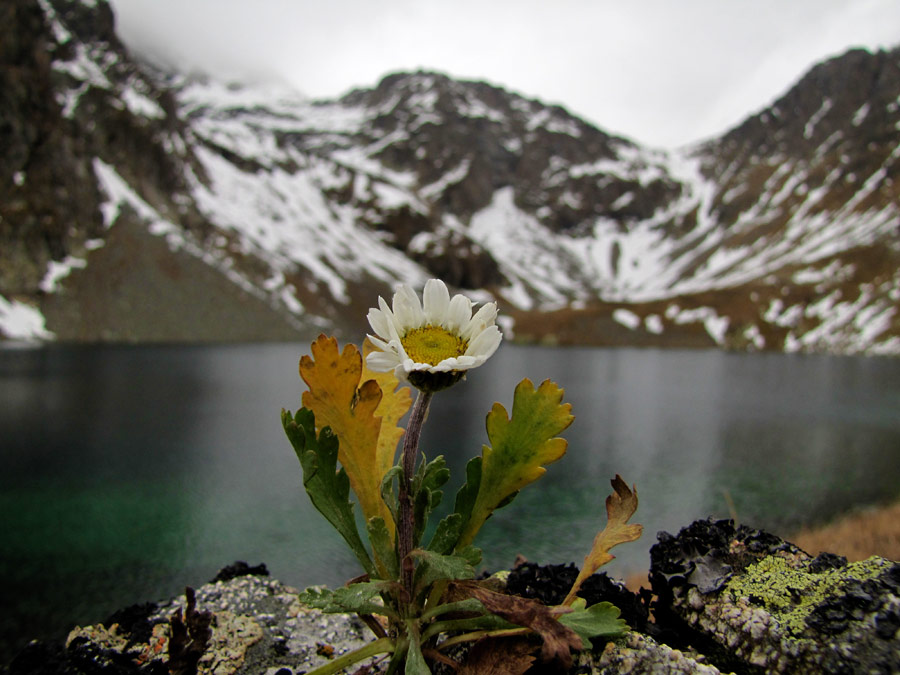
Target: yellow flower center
x,y
432,344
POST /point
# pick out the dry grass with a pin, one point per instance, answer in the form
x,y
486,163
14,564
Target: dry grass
x,y
857,535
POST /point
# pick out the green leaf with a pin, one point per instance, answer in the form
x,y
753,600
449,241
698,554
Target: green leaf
x,y
388,495
363,598
433,567
383,546
328,488
446,534
415,662
468,493
429,478
520,445
431,475
601,619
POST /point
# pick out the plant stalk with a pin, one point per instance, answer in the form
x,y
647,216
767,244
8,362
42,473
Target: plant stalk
x,y
382,646
406,515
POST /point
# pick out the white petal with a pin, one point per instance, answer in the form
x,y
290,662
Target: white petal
x,y
458,313
379,343
407,309
457,363
393,329
382,362
379,323
401,374
485,343
483,318
436,299
397,347
409,365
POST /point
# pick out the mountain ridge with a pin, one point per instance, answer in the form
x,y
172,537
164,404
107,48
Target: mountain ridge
x,y
780,234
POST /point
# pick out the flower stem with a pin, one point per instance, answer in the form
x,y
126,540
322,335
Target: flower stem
x,y
406,516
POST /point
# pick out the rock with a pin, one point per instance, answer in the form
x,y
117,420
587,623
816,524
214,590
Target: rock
x,y
258,626
641,655
755,603
728,600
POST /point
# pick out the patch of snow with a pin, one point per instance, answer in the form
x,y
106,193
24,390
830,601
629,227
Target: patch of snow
x,y
622,201
473,107
570,199
715,325
653,323
860,114
810,127
59,270
528,253
755,337
141,105
455,175
507,326
546,119
19,321
60,32
627,318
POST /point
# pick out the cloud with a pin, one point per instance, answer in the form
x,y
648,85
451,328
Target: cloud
x,y
662,72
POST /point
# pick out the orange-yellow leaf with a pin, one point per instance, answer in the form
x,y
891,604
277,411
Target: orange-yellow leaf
x,y
339,401
620,506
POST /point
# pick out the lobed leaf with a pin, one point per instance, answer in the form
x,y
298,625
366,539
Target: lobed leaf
x,y
520,446
435,567
362,416
600,619
620,506
426,493
362,598
446,534
328,488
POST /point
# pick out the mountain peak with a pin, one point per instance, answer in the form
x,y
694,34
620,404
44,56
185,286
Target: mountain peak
x,y
780,235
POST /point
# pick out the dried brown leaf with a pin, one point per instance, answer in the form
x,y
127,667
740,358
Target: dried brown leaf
x,y
498,656
559,640
620,506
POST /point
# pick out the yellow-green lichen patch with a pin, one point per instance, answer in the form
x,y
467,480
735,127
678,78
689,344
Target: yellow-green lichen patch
x,y
790,593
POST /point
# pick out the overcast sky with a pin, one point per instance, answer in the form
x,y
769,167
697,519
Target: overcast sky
x,y
663,72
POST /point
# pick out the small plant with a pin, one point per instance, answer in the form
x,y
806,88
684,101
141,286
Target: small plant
x,y
420,598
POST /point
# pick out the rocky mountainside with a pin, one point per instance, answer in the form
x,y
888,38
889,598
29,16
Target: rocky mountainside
x,y
138,205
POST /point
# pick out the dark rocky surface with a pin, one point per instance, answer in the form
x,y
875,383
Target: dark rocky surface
x,y
754,603
727,599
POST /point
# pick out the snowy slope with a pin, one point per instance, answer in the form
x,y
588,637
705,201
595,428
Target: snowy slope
x,y
782,234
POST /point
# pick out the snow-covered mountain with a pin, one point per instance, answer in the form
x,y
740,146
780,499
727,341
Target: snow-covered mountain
x,y
137,204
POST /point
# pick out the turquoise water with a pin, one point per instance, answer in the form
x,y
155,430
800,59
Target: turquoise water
x,y
129,472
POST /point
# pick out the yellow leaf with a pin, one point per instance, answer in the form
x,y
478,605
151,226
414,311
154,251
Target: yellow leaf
x,y
521,444
352,411
620,506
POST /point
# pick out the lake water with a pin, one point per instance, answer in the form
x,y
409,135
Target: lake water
x,y
128,472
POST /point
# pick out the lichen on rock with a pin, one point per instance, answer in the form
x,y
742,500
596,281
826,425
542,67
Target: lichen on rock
x,y
755,603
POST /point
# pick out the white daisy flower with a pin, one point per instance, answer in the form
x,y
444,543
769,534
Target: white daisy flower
x,y
432,344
